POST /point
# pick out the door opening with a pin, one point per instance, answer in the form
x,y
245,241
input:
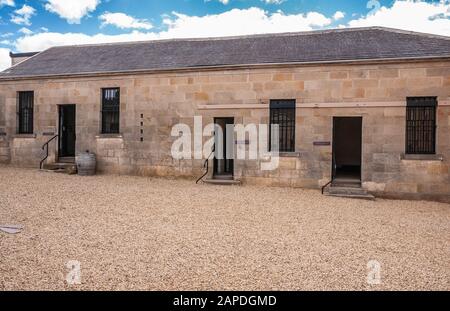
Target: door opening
x,y
347,149
67,134
224,149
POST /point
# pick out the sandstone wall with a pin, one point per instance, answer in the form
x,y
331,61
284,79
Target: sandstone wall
x,y
151,104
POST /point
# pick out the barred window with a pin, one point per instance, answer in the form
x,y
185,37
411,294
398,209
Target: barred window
x,y
282,112
110,110
421,125
25,112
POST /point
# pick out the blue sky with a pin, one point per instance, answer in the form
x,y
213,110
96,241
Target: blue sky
x,y
154,10
33,25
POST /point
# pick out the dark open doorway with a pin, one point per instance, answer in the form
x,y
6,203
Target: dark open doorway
x,y
224,149
67,137
347,149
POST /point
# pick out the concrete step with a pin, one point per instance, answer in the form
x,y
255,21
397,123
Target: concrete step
x,y
58,171
346,184
368,197
348,192
224,177
66,160
68,168
224,182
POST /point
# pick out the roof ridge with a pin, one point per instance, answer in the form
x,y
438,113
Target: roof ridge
x,y
411,32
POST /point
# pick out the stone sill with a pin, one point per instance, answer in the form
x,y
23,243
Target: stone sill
x,y
109,136
25,136
289,154
422,157
282,154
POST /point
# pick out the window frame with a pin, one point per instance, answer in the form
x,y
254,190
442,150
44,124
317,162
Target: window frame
x,y
419,111
25,128
112,108
284,105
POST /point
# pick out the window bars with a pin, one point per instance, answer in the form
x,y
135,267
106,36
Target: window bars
x,y
421,125
282,112
110,111
25,112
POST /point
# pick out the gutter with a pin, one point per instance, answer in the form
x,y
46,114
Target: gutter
x,y
228,67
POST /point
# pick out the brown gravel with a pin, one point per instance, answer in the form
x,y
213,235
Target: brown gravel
x,y
160,234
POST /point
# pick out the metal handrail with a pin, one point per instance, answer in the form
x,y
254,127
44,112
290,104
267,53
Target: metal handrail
x,y
323,188
206,164
332,177
44,148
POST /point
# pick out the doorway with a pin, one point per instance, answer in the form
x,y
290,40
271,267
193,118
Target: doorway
x,y
224,149
347,149
67,134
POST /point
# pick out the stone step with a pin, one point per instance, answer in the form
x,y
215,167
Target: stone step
x,y
348,192
66,160
224,182
57,171
368,197
68,168
346,184
223,176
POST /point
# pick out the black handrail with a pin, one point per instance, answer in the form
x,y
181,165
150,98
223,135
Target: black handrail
x,y
333,173
44,148
206,164
323,188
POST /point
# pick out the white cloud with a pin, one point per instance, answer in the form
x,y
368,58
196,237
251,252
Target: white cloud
x,y
44,40
230,23
418,16
7,42
224,2
124,21
72,11
241,22
7,3
22,16
273,1
5,35
410,15
5,60
25,31
338,15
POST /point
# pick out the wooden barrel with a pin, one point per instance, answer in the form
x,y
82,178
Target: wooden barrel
x,y
86,163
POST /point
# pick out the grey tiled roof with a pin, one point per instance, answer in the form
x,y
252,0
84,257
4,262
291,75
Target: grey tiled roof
x,y
302,47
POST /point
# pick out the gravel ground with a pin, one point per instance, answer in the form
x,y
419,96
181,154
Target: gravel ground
x,y
161,234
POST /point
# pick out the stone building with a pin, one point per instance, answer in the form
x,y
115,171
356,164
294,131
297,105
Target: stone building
x,y
367,107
